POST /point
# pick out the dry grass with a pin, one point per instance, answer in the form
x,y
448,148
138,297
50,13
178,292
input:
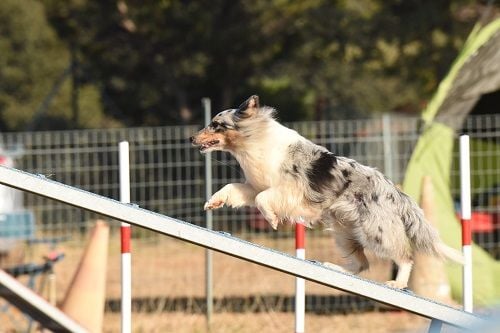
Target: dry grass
x,y
271,323
168,267
163,267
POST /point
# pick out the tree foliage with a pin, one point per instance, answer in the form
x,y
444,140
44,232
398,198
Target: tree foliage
x,y
35,92
150,62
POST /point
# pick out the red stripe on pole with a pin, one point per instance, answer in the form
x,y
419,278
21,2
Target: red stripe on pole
x,y
125,238
300,231
466,232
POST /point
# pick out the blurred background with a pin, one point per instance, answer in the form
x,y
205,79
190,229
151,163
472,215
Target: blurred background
x,y
79,76
94,64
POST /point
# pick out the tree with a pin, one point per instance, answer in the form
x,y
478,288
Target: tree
x,y
176,52
369,56
33,62
155,60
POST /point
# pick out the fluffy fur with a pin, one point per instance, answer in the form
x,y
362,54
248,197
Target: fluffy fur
x,y
289,178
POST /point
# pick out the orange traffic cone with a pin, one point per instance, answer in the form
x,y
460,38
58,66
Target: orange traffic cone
x,y
84,301
429,277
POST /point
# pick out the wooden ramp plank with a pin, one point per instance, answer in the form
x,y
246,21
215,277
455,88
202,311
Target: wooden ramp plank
x,y
225,243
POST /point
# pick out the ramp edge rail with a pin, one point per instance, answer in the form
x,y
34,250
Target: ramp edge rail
x,y
35,306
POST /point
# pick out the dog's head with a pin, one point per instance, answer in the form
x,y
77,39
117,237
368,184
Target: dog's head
x,y
227,129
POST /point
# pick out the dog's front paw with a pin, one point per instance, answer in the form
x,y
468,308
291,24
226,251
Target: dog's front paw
x,y
213,204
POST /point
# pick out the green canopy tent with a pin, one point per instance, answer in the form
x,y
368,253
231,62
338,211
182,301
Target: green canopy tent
x,y
473,78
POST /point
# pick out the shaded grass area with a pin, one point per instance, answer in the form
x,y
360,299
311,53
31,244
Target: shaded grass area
x,y
168,289
317,304
273,322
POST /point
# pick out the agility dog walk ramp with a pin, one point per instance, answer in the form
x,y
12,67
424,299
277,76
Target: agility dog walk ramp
x,y
35,306
225,243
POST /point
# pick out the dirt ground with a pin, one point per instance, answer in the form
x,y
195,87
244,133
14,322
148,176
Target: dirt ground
x,y
168,267
163,267
272,322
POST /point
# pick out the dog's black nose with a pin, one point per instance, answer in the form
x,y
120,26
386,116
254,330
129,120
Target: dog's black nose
x,y
191,139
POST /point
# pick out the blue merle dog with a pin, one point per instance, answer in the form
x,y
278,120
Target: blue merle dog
x,y
289,178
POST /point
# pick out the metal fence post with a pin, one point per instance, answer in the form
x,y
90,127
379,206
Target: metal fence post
x,y
435,326
208,191
387,140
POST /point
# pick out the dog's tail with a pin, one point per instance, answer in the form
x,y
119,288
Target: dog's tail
x,y
423,236
449,253
428,241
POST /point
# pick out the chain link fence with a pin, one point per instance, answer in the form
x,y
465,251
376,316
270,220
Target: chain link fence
x,y
167,176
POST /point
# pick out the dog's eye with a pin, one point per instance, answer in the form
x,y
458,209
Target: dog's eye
x,y
218,126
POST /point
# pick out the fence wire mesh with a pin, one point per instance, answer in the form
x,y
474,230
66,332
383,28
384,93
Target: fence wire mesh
x,y
167,176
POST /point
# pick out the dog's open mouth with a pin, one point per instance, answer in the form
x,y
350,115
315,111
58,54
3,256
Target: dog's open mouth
x,y
205,146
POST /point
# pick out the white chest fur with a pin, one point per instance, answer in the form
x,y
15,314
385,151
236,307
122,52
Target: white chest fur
x,y
262,159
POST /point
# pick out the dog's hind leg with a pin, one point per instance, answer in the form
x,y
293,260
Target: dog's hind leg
x,y
404,270
358,261
353,252
233,195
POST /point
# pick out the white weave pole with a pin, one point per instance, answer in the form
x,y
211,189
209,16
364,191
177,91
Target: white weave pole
x,y
126,262
465,207
300,283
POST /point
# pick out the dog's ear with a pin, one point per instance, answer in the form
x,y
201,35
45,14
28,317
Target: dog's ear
x,y
249,107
